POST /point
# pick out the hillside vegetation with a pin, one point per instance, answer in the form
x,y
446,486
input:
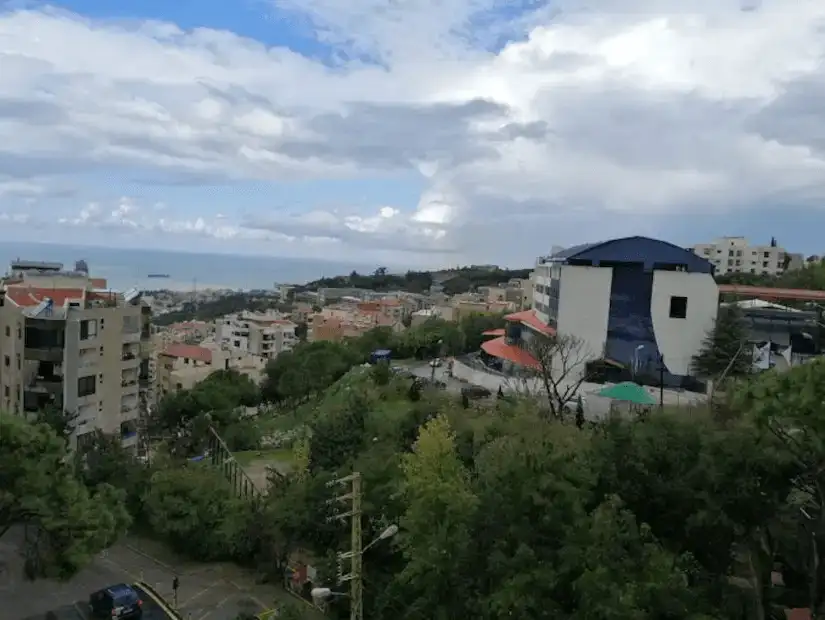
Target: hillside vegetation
x,y
455,281
502,511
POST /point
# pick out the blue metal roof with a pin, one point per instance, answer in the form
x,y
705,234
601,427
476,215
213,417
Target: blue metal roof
x,y
645,250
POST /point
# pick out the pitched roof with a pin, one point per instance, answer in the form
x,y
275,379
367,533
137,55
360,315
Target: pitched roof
x,y
26,297
498,347
189,351
529,318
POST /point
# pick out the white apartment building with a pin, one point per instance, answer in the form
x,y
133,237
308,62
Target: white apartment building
x,y
263,335
735,255
66,344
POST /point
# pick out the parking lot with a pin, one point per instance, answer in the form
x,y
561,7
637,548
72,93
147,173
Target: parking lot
x,y
206,592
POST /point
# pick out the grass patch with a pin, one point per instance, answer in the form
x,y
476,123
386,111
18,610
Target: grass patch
x,y
249,457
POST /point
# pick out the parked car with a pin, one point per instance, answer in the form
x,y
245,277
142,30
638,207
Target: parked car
x,y
436,362
120,601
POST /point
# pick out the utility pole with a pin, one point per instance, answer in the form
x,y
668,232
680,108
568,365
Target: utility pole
x,y
355,555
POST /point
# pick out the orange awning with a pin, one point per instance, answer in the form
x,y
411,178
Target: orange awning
x,y
529,318
493,332
497,347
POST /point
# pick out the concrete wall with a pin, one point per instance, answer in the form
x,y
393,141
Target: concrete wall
x,y
680,339
489,380
584,306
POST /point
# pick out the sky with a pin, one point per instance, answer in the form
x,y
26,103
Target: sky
x,y
422,133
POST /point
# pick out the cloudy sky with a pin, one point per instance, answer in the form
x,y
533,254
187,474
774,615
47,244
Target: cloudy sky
x,y
414,132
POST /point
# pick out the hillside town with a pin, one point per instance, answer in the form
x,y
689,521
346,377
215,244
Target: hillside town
x,y
253,399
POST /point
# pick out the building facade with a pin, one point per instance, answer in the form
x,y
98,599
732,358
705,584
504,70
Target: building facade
x,y
264,335
735,255
635,301
67,345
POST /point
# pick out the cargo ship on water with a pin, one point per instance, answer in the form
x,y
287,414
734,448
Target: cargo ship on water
x,y
158,275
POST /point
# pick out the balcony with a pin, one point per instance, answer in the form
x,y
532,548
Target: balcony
x,y
44,354
130,360
46,385
131,336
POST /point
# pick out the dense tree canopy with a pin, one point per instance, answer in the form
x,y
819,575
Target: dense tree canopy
x,y
68,523
183,417
460,280
311,368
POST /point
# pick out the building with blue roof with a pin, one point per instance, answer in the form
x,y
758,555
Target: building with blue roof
x,y
636,301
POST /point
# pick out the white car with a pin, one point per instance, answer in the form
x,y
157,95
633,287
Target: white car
x,y
435,363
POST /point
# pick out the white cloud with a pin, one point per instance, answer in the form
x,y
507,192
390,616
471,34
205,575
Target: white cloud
x,y
633,109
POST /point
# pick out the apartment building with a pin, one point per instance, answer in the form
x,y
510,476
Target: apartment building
x,y
264,335
736,255
67,344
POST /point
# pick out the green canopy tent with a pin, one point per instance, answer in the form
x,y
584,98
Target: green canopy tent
x,y
627,392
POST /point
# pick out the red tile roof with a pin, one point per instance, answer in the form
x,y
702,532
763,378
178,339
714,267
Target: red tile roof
x,y
493,332
190,351
529,318
497,347
765,292
25,296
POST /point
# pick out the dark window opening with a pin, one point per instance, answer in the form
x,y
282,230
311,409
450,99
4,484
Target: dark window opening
x,y
86,386
678,307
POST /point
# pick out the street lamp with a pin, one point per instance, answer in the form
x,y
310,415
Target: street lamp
x,y
388,532
322,594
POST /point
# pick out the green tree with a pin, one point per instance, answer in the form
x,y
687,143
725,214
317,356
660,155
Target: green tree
x,y
68,523
533,484
623,572
789,408
724,349
102,459
61,422
195,510
700,487
338,435
436,526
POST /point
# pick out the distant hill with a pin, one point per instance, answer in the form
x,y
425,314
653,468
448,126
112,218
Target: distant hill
x,y
454,281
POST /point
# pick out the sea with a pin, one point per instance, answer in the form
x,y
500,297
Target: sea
x,y
130,268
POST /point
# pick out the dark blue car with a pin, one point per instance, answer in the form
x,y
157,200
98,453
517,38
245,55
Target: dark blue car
x,y
120,601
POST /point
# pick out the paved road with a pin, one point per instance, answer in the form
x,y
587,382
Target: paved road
x,y
207,592
424,370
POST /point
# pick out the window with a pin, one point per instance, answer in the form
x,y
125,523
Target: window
x,y
86,386
6,390
6,361
678,307
88,329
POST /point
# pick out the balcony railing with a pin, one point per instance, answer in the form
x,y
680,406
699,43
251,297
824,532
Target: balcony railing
x,y
128,356
43,354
